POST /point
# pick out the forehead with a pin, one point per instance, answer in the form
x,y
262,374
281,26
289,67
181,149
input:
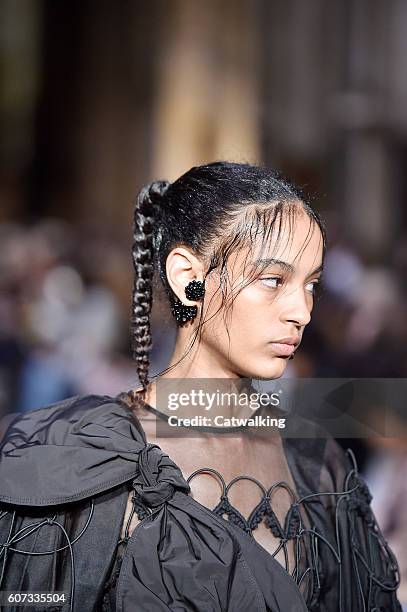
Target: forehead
x,y
297,238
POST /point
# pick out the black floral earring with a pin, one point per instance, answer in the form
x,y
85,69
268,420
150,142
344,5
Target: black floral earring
x,y
195,290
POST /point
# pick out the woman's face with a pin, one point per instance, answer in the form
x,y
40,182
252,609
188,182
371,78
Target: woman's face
x,y
277,305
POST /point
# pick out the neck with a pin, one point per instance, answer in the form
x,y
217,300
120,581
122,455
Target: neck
x,y
199,362
216,376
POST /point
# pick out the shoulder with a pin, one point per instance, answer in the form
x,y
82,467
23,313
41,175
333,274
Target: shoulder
x,y
69,450
66,415
43,416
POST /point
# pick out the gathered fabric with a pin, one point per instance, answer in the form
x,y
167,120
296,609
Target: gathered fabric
x,y
66,471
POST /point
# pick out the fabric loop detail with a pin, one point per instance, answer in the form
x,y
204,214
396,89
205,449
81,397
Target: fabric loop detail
x,y
156,495
158,478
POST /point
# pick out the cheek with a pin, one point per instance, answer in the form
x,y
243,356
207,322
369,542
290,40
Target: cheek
x,y
249,319
252,316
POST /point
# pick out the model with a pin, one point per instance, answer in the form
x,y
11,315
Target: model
x,y
99,509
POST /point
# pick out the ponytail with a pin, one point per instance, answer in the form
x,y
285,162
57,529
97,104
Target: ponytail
x,y
145,216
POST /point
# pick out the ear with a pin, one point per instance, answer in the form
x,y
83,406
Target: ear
x,y
181,267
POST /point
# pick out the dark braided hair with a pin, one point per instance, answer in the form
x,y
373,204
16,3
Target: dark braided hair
x,y
143,243
214,209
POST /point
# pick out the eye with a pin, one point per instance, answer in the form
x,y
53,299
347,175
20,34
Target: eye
x,y
272,279
314,286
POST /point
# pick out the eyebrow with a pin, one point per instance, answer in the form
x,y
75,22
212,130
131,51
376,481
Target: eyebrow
x,y
283,264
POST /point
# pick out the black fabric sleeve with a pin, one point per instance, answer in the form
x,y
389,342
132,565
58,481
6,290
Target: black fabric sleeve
x,y
363,571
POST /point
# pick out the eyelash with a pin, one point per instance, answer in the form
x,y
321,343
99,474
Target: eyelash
x,y
317,284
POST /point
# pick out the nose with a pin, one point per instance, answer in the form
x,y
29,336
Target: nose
x,y
296,306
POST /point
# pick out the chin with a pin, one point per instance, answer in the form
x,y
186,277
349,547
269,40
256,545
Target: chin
x,y
272,369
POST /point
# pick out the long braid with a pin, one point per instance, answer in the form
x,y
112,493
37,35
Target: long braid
x,y
145,217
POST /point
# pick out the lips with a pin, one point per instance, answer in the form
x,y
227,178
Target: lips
x,y
294,340
283,349
285,346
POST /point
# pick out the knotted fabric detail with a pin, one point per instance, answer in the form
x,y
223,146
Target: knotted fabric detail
x,y
158,478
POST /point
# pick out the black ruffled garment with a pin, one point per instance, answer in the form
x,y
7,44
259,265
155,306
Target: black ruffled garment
x,y
66,471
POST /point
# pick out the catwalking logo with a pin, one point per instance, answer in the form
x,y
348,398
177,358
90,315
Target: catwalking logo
x,y
222,421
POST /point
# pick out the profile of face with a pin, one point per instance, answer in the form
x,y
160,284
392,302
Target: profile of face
x,y
243,340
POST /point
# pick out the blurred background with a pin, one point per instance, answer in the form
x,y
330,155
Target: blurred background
x,y
98,98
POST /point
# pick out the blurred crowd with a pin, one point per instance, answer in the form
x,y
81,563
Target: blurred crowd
x,y
63,321
64,330
65,308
